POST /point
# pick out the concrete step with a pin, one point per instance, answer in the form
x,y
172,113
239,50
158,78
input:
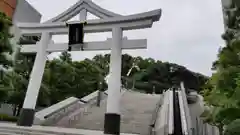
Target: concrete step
x,y
21,132
136,113
12,129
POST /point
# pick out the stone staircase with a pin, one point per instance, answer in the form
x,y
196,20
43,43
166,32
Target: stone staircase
x,y
136,113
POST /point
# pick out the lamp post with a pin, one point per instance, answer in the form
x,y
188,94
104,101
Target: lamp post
x,y
171,76
154,90
130,70
99,93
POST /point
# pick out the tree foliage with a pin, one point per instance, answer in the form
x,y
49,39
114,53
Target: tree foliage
x,y
222,92
5,46
153,73
64,77
5,51
233,128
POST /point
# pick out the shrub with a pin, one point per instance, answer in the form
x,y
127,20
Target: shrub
x,y
5,117
233,128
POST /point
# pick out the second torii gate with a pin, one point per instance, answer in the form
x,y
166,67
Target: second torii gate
x,y
108,21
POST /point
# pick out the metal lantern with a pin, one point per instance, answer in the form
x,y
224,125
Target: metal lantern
x,y
76,34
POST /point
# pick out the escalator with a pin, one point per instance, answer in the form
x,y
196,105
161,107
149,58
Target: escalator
x,y
176,114
174,118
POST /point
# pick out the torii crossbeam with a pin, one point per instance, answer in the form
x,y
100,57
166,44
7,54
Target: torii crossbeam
x,y
108,21
131,22
89,46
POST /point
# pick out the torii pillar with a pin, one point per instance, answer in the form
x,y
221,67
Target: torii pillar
x,y
28,110
112,115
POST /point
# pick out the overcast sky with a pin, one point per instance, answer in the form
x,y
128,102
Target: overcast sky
x,y
188,33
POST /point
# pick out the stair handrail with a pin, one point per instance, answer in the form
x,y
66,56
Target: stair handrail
x,y
186,108
76,116
183,114
57,109
53,113
154,116
171,114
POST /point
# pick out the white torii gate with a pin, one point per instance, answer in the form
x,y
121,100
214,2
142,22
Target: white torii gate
x,y
108,21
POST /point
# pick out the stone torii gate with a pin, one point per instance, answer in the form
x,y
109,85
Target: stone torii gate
x,y
108,22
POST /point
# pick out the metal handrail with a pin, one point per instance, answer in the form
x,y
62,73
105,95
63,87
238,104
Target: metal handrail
x,y
171,114
59,109
183,114
154,117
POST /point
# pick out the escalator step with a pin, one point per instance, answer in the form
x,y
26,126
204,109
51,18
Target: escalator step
x,y
177,115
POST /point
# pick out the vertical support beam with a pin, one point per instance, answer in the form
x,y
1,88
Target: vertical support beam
x,y
112,116
154,90
99,98
28,110
83,15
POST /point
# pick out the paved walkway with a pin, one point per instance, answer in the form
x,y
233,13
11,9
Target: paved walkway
x,y
136,113
10,129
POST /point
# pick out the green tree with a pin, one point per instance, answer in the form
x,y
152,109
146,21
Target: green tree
x,y
233,128
65,56
222,91
6,48
67,78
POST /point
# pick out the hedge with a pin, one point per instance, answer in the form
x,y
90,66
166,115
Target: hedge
x,y
5,117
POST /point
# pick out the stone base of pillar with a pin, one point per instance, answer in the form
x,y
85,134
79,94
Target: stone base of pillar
x,y
112,124
26,117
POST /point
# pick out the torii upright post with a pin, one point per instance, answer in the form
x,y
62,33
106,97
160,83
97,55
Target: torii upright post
x,y
28,110
112,116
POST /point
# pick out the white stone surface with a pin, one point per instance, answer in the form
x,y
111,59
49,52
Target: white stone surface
x,y
72,118
136,113
161,125
64,109
56,107
90,96
114,81
195,111
37,73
